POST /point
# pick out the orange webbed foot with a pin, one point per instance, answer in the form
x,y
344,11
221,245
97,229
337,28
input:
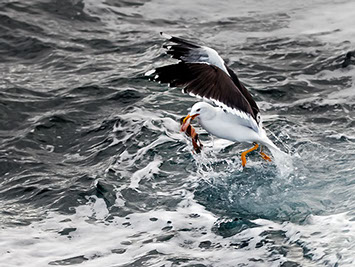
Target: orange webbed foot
x,y
264,156
244,160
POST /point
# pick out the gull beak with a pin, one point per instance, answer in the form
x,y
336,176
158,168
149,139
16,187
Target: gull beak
x,y
189,116
186,122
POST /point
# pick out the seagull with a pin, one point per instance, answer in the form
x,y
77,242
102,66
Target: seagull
x,y
227,109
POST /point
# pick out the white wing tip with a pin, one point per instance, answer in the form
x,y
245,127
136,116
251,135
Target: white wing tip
x,y
149,72
166,36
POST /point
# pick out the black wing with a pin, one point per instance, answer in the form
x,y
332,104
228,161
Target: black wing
x,y
208,82
245,92
189,52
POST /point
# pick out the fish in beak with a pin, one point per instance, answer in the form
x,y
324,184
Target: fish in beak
x,y
190,131
186,122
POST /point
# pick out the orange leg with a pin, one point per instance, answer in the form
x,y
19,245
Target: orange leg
x,y
244,160
263,155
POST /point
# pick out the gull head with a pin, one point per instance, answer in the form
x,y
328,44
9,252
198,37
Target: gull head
x,y
202,110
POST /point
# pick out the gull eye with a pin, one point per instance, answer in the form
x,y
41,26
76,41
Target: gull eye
x,y
198,109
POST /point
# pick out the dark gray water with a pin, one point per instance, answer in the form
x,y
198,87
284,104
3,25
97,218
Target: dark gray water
x,y
94,170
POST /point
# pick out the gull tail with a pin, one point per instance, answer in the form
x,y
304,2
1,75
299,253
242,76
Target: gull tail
x,y
271,146
282,160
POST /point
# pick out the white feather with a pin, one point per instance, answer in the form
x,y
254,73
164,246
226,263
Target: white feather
x,y
214,58
166,36
150,72
248,120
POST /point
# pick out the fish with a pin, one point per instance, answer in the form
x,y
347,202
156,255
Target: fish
x,y
190,131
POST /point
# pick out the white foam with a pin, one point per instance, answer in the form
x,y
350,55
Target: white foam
x,y
147,172
328,240
137,236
